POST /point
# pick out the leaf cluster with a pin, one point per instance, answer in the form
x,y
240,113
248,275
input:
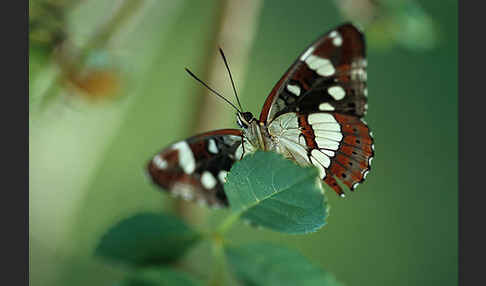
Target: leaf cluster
x,y
264,189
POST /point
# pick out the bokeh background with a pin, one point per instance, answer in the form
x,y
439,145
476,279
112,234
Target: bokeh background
x,y
108,90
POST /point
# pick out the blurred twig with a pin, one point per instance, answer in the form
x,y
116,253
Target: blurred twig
x,y
47,21
127,10
234,32
72,60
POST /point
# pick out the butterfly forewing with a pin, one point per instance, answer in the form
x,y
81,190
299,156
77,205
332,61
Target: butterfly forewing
x,y
330,75
324,93
195,169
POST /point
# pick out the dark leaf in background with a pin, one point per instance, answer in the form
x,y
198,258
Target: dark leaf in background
x,y
147,239
159,277
273,192
267,264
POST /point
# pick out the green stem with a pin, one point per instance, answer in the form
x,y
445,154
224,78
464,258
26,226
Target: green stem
x,y
217,239
217,277
228,222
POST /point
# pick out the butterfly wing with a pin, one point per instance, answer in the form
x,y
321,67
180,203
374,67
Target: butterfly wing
x,y
324,94
332,70
195,169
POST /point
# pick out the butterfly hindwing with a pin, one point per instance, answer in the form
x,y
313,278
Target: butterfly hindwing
x,y
344,142
196,168
324,93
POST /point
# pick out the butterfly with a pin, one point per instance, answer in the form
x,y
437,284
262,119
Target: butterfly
x,y
312,116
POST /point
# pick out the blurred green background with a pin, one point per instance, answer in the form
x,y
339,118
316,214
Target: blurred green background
x,y
108,90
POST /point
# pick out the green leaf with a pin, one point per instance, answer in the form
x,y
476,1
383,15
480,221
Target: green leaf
x,y
159,277
267,264
147,239
276,193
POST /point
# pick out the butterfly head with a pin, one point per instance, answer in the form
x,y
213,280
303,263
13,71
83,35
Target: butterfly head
x,y
244,119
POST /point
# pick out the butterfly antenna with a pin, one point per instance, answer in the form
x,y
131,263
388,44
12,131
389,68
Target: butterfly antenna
x,y
231,77
215,92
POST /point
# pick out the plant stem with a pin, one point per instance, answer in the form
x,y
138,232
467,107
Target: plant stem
x,y
228,222
217,277
217,240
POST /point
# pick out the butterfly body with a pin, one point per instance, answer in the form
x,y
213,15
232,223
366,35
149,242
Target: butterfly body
x,y
312,116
